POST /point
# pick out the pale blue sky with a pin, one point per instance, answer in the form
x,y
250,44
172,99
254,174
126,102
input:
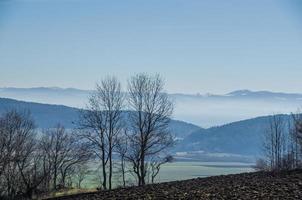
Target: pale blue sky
x,y
198,46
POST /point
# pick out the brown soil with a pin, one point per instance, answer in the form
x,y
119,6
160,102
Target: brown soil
x,y
257,185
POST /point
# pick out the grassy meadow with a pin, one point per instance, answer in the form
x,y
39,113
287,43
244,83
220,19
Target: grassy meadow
x,y
174,171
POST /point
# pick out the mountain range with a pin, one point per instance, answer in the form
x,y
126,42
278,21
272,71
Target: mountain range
x,y
235,141
48,116
203,110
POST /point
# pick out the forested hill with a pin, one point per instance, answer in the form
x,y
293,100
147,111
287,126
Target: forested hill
x,y
243,137
47,116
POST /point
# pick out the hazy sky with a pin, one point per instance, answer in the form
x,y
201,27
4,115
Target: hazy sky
x,y
198,46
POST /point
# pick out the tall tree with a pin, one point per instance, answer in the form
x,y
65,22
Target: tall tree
x,y
102,122
296,137
92,124
150,114
275,141
112,100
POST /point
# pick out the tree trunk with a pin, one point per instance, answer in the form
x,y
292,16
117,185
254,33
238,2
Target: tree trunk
x,y
55,179
110,156
142,169
104,170
29,193
110,169
123,171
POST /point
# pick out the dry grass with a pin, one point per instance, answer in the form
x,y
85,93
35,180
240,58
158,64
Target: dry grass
x,y
67,192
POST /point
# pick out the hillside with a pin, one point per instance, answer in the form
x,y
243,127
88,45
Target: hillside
x,y
257,185
47,115
242,137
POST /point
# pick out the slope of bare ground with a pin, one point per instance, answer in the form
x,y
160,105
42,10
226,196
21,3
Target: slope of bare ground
x,y
257,185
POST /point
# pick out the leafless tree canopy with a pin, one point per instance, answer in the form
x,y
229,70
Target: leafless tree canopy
x,y
155,165
112,98
31,163
17,156
149,120
275,141
283,143
137,135
101,123
81,171
64,152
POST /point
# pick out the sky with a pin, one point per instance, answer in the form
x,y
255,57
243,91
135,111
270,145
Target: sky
x,y
198,46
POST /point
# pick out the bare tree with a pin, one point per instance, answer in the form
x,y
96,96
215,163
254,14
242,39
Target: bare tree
x,y
31,163
292,158
16,133
78,154
20,159
102,122
64,151
156,163
93,126
112,100
30,166
122,150
81,172
54,143
149,119
296,138
275,142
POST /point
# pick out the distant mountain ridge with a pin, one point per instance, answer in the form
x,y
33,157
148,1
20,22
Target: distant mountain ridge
x,y
4,91
42,89
267,94
242,93
49,95
205,110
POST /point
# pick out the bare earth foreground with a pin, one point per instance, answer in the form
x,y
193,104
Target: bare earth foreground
x,y
257,185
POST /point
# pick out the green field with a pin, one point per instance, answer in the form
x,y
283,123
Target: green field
x,y
178,171
189,170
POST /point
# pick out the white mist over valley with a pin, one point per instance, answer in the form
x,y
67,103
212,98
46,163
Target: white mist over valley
x,y
202,110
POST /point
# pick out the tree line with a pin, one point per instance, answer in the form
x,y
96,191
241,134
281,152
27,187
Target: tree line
x,y
124,130
282,144
34,163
